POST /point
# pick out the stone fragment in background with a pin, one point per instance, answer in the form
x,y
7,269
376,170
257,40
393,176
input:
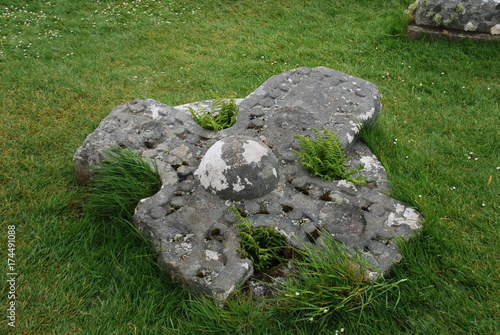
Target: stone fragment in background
x,y
478,19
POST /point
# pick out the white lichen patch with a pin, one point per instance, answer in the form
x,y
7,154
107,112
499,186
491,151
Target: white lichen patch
x,y
412,218
337,198
470,27
370,163
346,184
495,30
212,167
404,215
350,138
183,249
253,152
368,115
392,220
399,208
211,255
155,112
238,186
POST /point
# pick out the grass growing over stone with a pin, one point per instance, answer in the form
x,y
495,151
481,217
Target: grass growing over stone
x,y
330,281
121,180
66,64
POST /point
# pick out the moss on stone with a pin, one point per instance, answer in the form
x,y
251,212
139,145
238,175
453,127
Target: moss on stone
x,y
438,19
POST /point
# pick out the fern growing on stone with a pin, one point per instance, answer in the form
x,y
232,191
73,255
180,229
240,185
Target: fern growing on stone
x,y
221,116
325,158
261,245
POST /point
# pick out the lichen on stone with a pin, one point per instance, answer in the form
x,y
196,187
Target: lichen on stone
x,y
437,19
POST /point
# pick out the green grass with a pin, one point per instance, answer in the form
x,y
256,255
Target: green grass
x,y
63,70
329,281
121,180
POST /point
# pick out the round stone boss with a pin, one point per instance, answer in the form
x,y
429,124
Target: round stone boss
x,y
238,168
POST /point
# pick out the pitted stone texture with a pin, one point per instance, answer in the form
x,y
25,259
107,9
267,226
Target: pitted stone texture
x,y
238,168
192,229
482,16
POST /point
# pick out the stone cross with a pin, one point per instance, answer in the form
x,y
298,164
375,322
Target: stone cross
x,y
252,166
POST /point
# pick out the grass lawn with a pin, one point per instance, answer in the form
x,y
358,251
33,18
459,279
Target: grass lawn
x,y
65,64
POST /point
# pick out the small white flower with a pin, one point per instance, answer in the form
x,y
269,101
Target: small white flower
x,y
311,319
483,204
297,293
325,310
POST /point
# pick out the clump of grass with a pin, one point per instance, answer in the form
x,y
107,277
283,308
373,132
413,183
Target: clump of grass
x,y
330,279
121,181
221,116
262,245
325,158
240,314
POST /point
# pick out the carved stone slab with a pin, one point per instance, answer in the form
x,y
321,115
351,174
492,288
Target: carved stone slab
x,y
252,166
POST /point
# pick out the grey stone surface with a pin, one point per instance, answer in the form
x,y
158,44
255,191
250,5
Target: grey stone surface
x,y
238,168
416,32
188,221
482,16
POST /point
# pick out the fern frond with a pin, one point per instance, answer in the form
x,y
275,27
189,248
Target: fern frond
x,y
222,115
261,245
325,158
